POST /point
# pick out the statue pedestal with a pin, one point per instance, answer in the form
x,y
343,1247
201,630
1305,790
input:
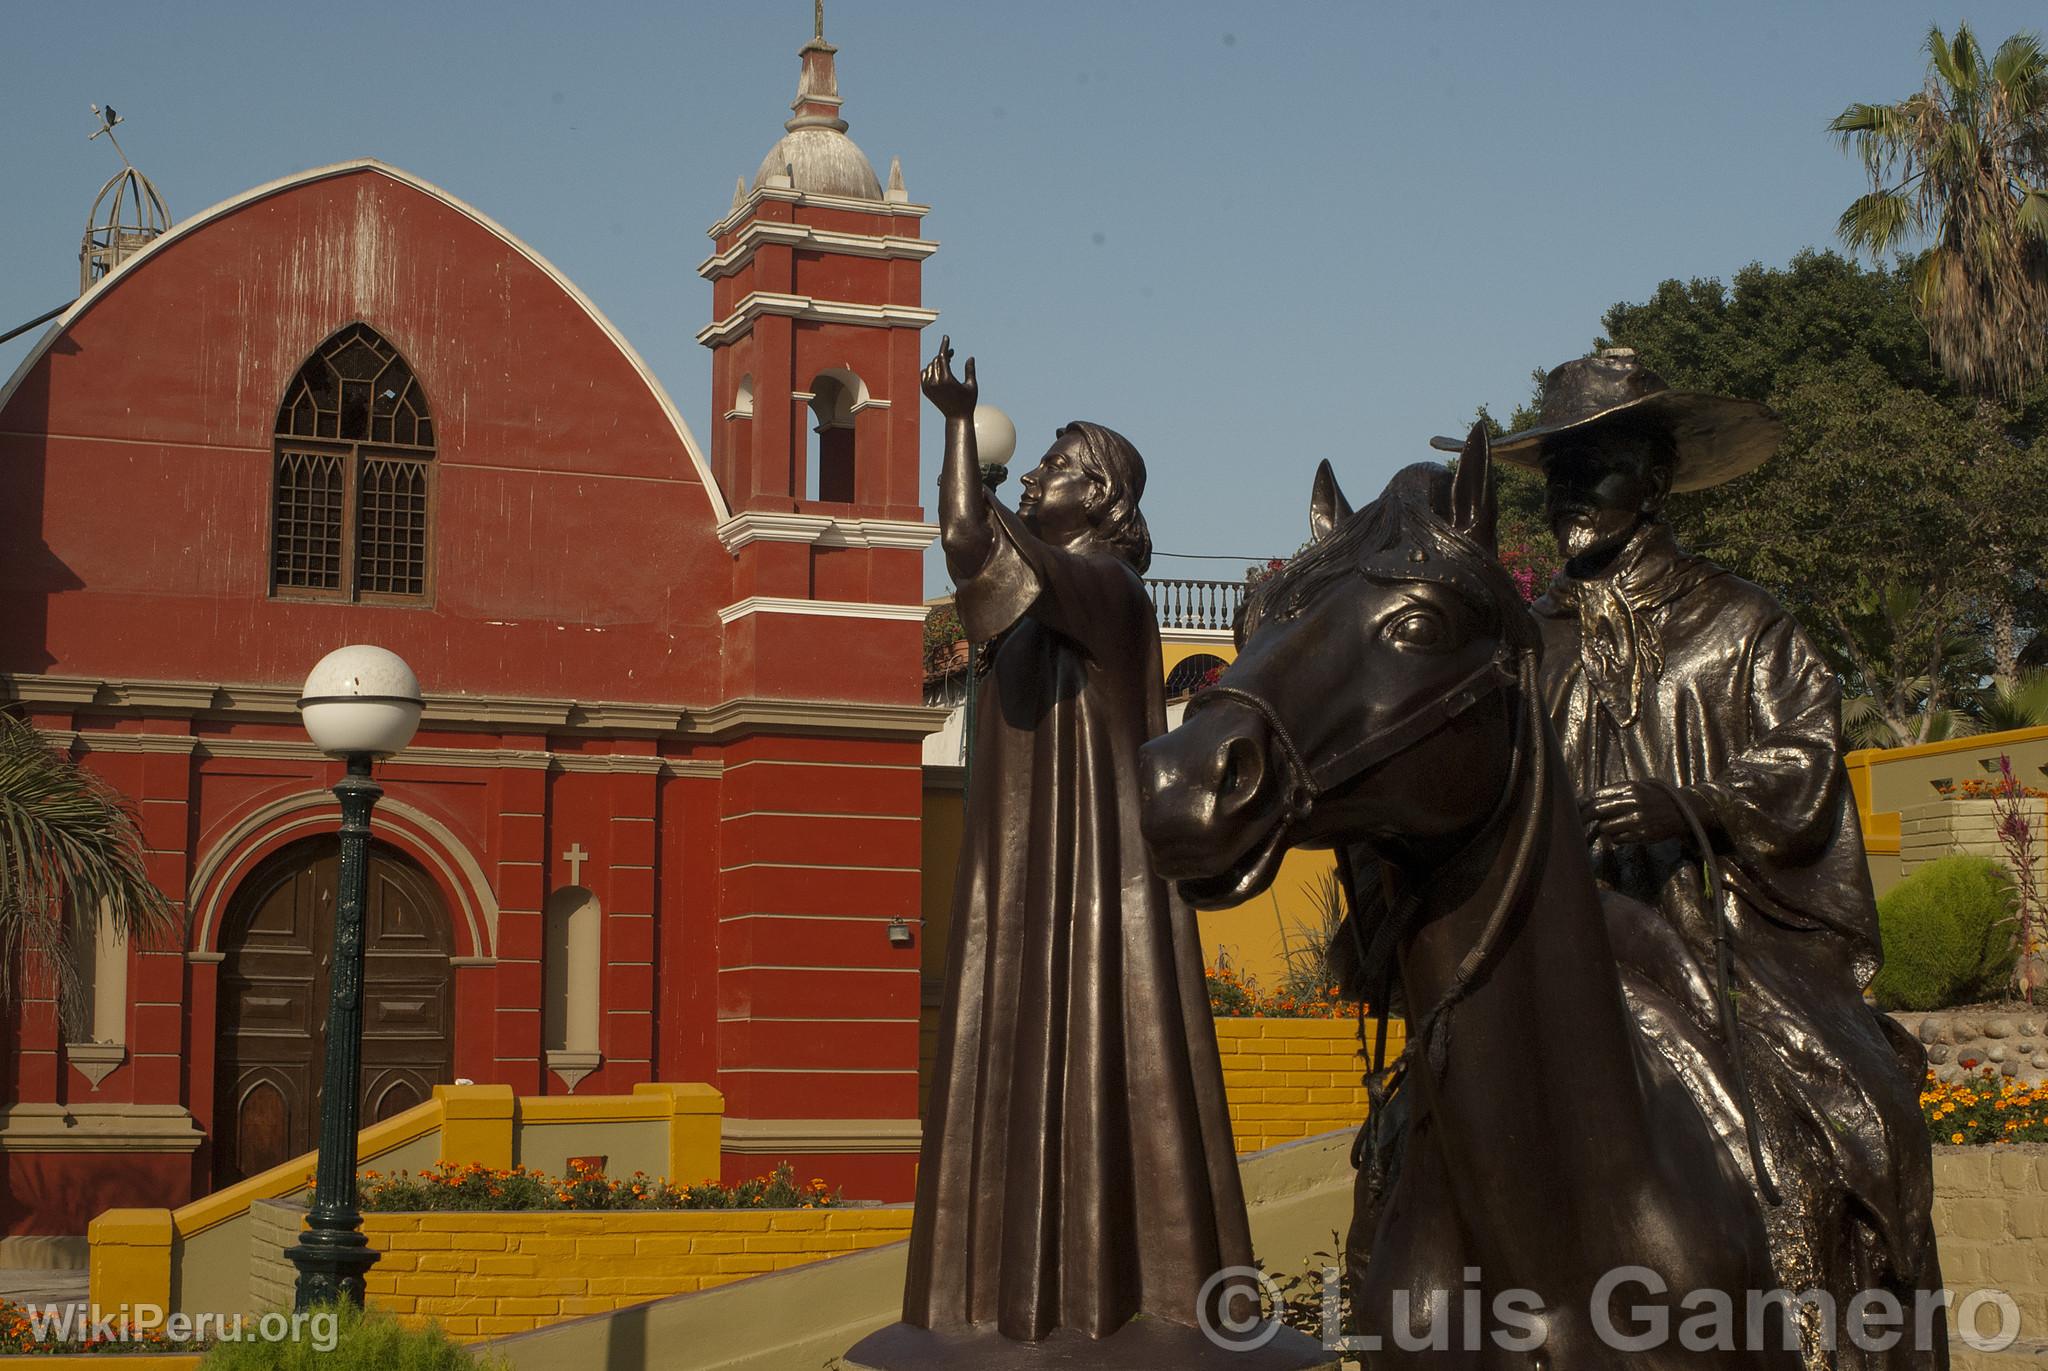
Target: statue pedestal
x,y
1141,1345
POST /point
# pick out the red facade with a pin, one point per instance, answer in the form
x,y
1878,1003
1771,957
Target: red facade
x,y
687,692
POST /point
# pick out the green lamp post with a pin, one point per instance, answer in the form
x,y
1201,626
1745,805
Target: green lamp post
x,y
360,703
995,442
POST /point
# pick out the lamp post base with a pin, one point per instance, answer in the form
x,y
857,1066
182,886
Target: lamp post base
x,y
331,1262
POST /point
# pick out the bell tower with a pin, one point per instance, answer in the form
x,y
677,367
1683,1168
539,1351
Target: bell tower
x,y
814,440
817,310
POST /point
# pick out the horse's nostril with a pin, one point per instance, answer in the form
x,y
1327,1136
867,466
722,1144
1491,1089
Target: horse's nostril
x,y
1238,778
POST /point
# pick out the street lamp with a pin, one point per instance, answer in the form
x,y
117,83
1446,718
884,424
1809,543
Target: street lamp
x,y
995,442
360,702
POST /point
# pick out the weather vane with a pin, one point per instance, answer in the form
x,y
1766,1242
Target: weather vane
x,y
820,29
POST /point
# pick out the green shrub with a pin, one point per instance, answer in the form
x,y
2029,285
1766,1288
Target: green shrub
x,y
360,1341
1946,936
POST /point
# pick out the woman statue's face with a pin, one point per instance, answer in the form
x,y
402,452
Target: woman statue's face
x,y
1059,497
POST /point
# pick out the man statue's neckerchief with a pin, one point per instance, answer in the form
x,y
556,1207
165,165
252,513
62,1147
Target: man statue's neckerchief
x,y
1621,644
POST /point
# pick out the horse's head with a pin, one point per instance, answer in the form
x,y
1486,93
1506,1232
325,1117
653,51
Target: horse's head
x,y
1365,704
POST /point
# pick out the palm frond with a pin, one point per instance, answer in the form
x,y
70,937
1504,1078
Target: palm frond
x,y
1951,58
2021,703
2018,68
69,850
1875,221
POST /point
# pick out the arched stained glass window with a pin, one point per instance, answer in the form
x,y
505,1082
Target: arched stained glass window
x,y
354,476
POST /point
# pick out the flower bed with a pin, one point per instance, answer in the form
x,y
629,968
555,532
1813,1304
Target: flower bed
x,y
75,1337
447,1187
1233,995
1984,1110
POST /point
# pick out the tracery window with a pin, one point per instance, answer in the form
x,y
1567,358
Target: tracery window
x,y
354,477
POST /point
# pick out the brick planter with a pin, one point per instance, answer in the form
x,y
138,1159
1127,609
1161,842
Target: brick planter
x,y
1289,1079
481,1274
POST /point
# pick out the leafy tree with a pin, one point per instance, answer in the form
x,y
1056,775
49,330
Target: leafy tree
x,y
68,849
1963,165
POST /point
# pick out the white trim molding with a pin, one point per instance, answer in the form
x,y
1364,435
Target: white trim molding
x,y
739,714
818,609
753,1136
1191,637
98,1128
766,232
756,304
95,1061
753,199
233,203
824,530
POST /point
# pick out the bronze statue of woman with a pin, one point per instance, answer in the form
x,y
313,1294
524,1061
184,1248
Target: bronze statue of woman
x,y
1077,1168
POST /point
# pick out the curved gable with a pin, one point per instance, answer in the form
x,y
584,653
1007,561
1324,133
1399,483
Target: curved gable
x,y
358,270
571,548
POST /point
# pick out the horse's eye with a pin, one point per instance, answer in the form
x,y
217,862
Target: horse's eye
x,y
1417,628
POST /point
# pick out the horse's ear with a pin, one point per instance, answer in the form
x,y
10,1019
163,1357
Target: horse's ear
x,y
1475,504
1327,506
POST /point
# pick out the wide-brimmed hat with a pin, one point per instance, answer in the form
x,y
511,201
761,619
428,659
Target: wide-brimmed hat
x,y
1718,438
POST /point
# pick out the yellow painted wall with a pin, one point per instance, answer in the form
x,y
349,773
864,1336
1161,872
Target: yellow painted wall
x,y
1289,1079
483,1274
1888,781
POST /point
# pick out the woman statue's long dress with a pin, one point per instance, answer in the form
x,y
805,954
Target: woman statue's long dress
x,y
1077,1167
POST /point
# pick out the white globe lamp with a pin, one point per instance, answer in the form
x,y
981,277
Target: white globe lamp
x,y
995,442
361,701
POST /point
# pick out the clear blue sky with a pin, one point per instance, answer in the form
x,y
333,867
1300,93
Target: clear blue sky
x,y
1248,235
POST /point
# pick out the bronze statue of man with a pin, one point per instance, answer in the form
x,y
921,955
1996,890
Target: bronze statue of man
x,y
1078,1188
1701,729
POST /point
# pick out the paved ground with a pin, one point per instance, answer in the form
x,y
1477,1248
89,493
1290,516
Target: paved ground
x,y
41,1287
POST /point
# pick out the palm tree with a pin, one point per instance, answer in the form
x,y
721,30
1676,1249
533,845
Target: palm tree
x,y
1962,165
69,849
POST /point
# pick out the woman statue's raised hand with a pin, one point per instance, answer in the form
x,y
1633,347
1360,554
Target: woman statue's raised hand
x,y
950,395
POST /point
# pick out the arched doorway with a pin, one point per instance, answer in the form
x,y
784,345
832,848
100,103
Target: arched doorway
x,y
278,940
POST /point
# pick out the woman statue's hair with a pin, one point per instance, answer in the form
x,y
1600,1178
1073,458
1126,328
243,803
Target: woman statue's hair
x,y
1110,460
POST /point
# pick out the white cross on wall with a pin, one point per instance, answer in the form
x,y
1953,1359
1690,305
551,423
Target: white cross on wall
x,y
575,857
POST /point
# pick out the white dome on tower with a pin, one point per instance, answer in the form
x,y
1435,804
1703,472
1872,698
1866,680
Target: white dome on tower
x,y
821,161
814,153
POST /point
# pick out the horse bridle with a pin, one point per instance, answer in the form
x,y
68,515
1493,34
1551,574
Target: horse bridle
x,y
1309,782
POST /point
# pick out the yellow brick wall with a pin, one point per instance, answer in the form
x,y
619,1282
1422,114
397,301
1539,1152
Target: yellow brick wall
x,y
479,1275
1289,1079
1991,1224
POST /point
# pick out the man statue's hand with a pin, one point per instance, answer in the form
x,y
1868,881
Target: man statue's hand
x,y
1631,813
952,396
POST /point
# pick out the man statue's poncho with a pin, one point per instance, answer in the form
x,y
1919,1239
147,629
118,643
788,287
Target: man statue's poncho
x,y
1710,685
1077,1167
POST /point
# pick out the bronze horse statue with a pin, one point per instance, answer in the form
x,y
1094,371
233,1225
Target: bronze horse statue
x,y
1384,703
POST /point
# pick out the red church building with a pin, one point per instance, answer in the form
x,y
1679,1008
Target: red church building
x,y
661,821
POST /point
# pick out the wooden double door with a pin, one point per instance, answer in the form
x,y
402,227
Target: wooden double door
x,y
278,942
